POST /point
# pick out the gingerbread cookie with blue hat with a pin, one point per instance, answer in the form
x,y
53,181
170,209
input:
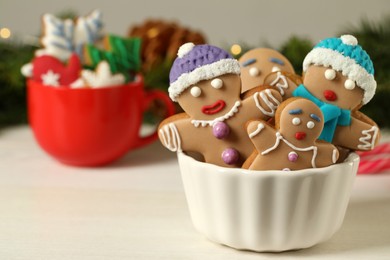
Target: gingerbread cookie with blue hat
x,y
292,144
205,81
264,66
339,78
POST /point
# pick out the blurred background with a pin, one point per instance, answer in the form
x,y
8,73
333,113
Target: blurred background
x,y
223,22
292,27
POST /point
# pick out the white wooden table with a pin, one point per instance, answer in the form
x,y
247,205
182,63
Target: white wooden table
x,y
136,209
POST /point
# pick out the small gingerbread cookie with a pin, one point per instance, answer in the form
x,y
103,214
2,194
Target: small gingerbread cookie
x,y
339,78
205,81
61,38
293,144
263,66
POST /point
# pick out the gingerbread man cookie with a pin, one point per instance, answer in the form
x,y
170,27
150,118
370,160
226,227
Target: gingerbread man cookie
x,y
205,81
263,66
339,78
292,145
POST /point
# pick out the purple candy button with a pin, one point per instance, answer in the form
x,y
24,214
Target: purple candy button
x,y
230,156
221,130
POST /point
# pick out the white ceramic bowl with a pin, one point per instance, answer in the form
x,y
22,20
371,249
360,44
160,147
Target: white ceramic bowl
x,y
267,210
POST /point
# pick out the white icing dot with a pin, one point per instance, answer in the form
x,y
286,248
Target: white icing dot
x,y
217,83
196,91
275,69
310,124
184,49
349,84
254,71
349,39
296,121
330,74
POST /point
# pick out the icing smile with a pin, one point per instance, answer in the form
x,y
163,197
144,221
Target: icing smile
x,y
214,108
330,95
300,135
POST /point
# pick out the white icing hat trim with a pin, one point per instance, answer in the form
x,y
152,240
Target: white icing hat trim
x,y
206,72
184,49
347,66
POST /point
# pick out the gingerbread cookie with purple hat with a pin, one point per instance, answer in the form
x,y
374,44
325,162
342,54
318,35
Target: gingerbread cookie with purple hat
x,y
205,81
264,66
339,78
293,144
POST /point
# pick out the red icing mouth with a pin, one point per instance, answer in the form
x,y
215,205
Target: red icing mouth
x,y
300,135
214,108
330,95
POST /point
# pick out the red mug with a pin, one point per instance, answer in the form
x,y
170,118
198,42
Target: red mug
x,y
91,127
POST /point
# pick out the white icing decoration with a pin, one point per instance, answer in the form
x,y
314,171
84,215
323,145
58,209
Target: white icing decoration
x,y
254,71
275,69
310,124
260,127
217,83
228,115
305,149
330,74
349,39
367,139
27,69
281,86
196,91
296,121
184,49
173,144
206,72
265,94
334,156
50,78
349,84
348,67
102,77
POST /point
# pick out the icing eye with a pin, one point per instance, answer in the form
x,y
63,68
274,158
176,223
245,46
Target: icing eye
x,y
310,124
196,91
217,83
296,121
349,84
330,74
275,69
254,72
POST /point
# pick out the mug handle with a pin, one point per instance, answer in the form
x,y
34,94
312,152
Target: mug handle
x,y
149,97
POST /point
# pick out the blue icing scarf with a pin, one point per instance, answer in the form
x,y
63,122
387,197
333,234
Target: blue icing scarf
x,y
333,115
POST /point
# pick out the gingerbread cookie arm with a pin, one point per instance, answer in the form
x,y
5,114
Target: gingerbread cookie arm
x,y
360,135
172,133
327,154
263,104
261,134
285,82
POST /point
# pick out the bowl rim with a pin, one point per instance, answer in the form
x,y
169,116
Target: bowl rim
x,y
351,160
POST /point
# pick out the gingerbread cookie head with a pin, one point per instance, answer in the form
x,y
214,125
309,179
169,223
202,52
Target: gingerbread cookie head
x,y
205,81
339,72
256,64
299,120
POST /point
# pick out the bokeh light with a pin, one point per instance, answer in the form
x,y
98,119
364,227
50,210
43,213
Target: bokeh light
x,y
5,33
